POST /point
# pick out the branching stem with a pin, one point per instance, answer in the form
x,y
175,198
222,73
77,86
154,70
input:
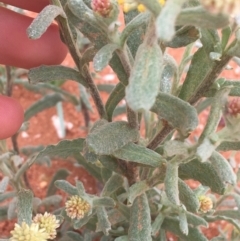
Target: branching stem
x,y
69,41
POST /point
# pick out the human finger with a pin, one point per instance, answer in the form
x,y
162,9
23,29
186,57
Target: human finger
x,y
31,5
16,49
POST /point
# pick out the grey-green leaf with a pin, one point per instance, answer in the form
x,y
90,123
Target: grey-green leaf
x,y
183,224
172,225
156,225
167,18
4,184
223,168
103,223
196,220
170,69
56,72
74,236
200,67
61,174
44,19
144,81
139,154
177,112
140,220
103,56
66,187
201,172
188,197
46,102
103,202
198,16
111,137
174,147
136,190
218,102
63,149
24,206
122,238
113,184
171,183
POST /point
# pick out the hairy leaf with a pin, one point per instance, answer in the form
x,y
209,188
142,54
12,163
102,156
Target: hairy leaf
x,y
171,183
200,67
61,174
199,17
223,168
63,149
172,225
111,137
3,184
113,184
144,81
201,172
24,206
140,220
46,102
44,19
103,56
66,187
188,197
103,223
139,154
58,73
136,190
167,18
177,112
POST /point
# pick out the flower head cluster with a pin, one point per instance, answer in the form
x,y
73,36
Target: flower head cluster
x,y
129,5
206,204
102,7
233,107
76,207
232,115
231,7
48,222
25,232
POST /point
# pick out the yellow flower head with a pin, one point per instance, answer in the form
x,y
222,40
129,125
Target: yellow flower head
x,y
129,5
76,207
24,232
206,203
48,222
231,7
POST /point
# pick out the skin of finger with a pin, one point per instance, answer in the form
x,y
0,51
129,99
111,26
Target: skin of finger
x,y
31,5
16,49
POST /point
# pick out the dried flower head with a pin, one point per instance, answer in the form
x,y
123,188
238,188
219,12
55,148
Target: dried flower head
x,y
48,222
24,232
206,204
231,7
129,5
76,207
233,107
102,7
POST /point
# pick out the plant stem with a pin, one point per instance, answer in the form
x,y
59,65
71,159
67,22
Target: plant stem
x,y
9,80
210,79
160,136
131,115
69,41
